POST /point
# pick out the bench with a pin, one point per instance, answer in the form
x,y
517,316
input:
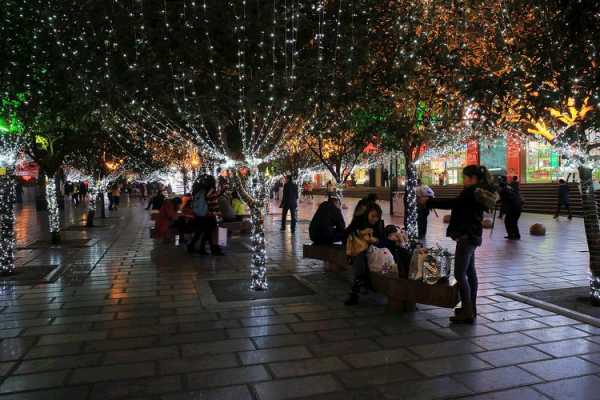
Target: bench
x,y
334,256
239,227
403,294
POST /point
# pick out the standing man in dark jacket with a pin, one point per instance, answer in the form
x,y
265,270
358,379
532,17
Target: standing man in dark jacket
x,y
511,206
563,198
289,202
327,225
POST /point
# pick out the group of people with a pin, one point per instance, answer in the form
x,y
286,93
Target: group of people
x,y
510,203
77,190
479,195
198,214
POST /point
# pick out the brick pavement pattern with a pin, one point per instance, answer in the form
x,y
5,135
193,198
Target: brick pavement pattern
x,y
131,318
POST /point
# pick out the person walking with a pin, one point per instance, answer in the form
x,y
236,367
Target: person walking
x,y
289,202
422,192
511,206
116,196
478,196
563,198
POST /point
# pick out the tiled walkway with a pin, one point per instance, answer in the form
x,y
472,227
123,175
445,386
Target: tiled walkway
x,y
133,319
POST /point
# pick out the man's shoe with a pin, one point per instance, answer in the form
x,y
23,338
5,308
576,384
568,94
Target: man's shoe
x,y
556,217
216,251
570,217
465,315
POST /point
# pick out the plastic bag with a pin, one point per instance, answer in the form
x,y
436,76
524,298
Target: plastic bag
x,y
381,260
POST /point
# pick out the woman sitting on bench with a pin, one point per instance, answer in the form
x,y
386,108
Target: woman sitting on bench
x,y
166,217
366,229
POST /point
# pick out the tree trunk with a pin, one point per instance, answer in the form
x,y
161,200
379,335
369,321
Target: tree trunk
x,y
92,205
7,223
53,211
592,230
255,194
410,200
102,204
258,267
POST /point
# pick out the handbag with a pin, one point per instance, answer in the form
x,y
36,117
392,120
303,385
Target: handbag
x,y
359,242
415,270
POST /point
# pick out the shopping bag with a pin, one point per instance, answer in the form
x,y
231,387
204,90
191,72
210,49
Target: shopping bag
x,y
222,237
415,271
381,260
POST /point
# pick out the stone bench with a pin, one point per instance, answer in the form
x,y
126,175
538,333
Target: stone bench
x,y
239,227
334,256
403,294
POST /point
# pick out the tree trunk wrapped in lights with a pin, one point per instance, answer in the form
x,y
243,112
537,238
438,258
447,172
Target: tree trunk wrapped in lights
x,y
92,202
592,229
410,211
53,211
254,191
7,222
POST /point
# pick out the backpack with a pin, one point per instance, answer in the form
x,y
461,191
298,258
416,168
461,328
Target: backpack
x,y
199,205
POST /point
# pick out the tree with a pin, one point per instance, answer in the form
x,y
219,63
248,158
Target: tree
x,y
412,83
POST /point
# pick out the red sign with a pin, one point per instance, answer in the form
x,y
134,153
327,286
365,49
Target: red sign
x,y
27,169
472,153
513,155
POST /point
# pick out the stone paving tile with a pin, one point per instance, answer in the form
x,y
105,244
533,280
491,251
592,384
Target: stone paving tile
x,y
449,365
512,356
49,364
557,320
79,392
255,331
582,388
503,341
121,344
438,388
286,340
14,348
561,368
5,368
336,335
516,325
21,383
270,320
446,348
524,393
72,338
377,375
222,346
464,331
309,366
303,327
376,358
225,377
568,347
497,379
204,362
228,393
135,388
593,330
409,339
112,372
146,354
555,334
271,355
297,387
56,350
347,347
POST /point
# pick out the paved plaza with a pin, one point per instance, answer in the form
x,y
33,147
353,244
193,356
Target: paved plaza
x,y
133,318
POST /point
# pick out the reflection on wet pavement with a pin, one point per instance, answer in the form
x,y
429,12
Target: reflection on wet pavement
x,y
130,317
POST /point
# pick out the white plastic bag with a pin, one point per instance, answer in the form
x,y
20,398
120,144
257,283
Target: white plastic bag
x,y
381,260
222,237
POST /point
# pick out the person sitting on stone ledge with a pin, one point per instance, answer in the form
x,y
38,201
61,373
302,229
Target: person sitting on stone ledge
x,y
327,225
166,217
